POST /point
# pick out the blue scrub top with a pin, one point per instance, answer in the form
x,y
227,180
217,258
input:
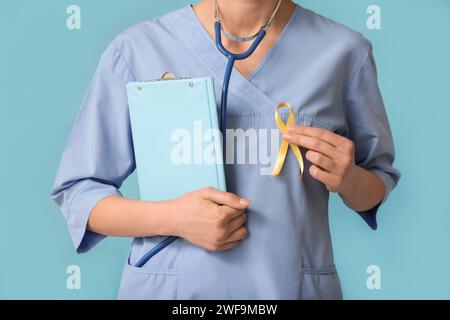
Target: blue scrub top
x,y
323,69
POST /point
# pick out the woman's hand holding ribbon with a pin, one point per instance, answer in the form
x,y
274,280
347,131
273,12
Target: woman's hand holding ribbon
x,y
331,155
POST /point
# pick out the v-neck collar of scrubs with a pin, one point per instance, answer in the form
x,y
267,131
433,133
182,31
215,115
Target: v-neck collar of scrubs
x,y
196,38
268,53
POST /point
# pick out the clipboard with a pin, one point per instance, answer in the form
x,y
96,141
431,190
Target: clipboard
x,y
166,116
161,112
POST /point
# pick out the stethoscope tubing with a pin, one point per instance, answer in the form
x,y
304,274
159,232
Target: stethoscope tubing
x,y
232,57
150,254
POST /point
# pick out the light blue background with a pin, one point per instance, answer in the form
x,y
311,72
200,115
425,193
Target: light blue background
x,y
45,69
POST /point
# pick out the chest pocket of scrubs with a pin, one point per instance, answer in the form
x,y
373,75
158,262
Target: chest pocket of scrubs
x,y
158,278
313,120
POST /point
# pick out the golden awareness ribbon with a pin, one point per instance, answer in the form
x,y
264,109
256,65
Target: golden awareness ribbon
x,y
282,152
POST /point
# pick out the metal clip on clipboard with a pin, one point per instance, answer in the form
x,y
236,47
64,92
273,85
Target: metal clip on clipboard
x,y
168,76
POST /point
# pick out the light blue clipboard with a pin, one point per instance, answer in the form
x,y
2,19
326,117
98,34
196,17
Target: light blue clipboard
x,y
163,115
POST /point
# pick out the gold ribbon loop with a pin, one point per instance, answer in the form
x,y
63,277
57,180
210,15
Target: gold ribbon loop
x,y
282,152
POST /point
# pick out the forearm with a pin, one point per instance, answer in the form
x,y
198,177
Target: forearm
x,y
212,219
364,191
121,217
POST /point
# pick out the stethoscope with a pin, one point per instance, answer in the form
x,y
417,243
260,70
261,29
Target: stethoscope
x,y
232,57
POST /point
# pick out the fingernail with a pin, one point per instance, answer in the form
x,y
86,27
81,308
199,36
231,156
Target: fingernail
x,y
244,202
287,136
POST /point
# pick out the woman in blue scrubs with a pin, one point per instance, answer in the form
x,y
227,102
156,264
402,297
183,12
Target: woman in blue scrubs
x,y
269,237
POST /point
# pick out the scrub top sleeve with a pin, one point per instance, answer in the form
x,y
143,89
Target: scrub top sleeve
x,y
98,155
369,129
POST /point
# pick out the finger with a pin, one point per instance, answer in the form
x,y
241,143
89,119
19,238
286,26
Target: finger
x,y
312,144
229,245
237,235
236,223
226,198
319,133
229,214
325,177
343,144
321,160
